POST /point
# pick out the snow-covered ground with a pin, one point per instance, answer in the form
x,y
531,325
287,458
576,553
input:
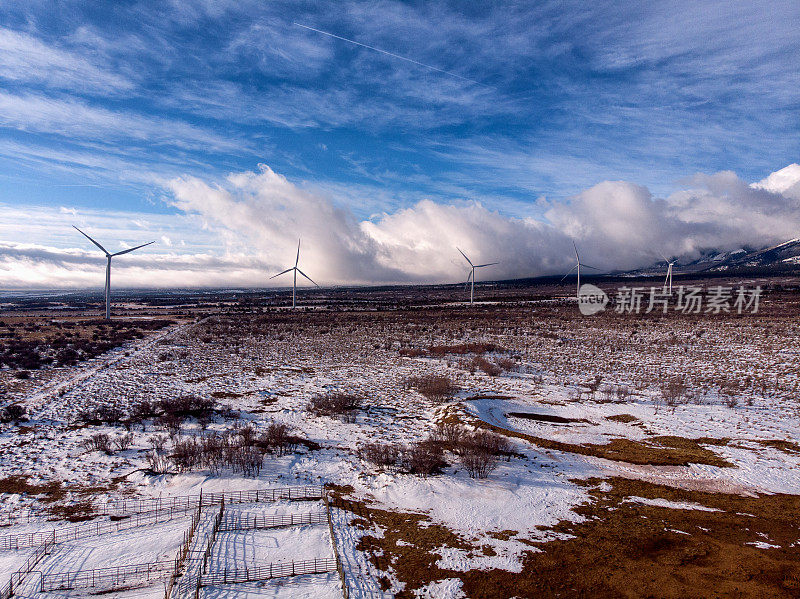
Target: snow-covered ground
x,y
269,373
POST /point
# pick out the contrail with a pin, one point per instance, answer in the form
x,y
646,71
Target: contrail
x,y
422,64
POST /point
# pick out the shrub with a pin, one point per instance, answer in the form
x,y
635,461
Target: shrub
x,y
487,366
277,439
343,405
12,412
384,455
188,406
434,387
424,458
480,452
123,442
22,375
98,442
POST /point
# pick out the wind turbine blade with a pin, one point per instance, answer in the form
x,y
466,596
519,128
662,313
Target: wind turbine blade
x,y
592,267
92,240
663,256
576,252
131,249
297,260
282,273
465,257
569,273
487,264
307,277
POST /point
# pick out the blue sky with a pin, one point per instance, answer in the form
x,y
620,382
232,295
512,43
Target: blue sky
x,y
103,106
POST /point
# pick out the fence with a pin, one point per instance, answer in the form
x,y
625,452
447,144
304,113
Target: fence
x,y
253,520
34,558
182,553
87,529
162,511
183,502
105,577
215,527
269,571
339,567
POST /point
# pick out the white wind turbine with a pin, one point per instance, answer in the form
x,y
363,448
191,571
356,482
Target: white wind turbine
x,y
471,276
668,279
108,266
578,265
296,270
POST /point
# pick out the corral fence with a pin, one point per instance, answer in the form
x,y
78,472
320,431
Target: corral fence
x,y
269,571
121,507
255,520
87,529
33,559
177,563
106,577
145,512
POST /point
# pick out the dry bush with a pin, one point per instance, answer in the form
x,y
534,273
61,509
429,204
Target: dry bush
x,y
464,348
480,452
424,458
506,363
123,442
12,412
384,455
448,433
276,439
188,406
342,405
98,442
486,366
433,386
158,442
673,392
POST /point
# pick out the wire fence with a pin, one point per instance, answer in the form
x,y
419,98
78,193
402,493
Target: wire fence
x,y
106,577
87,529
255,520
269,571
155,511
177,563
136,506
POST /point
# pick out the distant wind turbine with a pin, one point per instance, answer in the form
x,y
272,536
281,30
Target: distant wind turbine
x,y
471,276
296,270
578,265
668,280
108,266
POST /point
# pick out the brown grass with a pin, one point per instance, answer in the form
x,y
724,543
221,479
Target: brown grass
x,y
656,451
621,549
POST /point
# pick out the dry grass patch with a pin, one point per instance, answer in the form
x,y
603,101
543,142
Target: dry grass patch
x,y
622,548
656,451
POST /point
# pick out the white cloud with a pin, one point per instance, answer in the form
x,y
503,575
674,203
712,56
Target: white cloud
x,y
249,226
25,58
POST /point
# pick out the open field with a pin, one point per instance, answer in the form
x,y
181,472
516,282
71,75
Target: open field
x,y
514,448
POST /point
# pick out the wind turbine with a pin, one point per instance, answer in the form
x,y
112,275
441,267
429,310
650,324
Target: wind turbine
x,y
471,276
108,266
668,280
296,270
578,266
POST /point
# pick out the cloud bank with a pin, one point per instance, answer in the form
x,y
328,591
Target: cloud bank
x,y
246,228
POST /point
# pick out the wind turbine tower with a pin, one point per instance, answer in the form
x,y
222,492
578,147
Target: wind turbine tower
x,y
578,265
471,276
668,279
296,270
108,266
